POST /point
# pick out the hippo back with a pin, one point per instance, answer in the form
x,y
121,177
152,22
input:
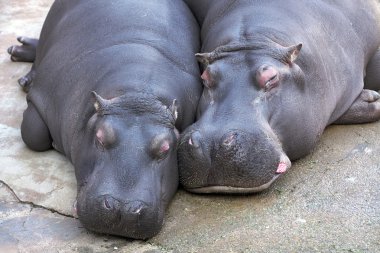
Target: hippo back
x,y
113,47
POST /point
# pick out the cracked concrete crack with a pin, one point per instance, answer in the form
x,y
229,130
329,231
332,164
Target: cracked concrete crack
x,y
33,205
23,224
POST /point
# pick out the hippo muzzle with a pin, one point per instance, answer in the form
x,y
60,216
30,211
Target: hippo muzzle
x,y
129,218
235,161
120,207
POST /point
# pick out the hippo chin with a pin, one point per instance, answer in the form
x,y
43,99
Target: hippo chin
x,y
275,74
111,86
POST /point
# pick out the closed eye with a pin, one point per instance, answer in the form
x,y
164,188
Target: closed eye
x,y
272,82
273,78
99,144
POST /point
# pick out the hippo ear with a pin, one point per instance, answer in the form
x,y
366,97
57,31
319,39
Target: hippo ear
x,y
293,52
100,103
203,58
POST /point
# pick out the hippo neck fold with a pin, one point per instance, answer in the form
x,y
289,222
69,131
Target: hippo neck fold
x,y
139,103
272,43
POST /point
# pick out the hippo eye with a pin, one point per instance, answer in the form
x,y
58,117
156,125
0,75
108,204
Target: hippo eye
x,y
105,136
160,147
206,79
163,150
99,144
267,77
271,83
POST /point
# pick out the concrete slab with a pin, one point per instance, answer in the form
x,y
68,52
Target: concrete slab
x,y
328,202
33,176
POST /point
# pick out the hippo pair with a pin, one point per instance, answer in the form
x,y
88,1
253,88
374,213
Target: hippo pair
x,y
275,74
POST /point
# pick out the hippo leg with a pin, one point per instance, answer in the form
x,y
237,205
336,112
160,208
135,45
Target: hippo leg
x,y
34,131
26,81
372,79
365,109
26,52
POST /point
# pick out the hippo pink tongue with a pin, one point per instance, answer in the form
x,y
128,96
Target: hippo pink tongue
x,y
282,167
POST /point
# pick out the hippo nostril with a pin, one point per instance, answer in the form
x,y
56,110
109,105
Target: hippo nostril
x,y
137,210
230,139
108,202
194,139
136,207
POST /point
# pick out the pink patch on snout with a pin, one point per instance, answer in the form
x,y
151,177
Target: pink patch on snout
x,y
282,167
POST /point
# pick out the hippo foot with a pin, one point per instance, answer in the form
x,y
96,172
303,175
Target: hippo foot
x,y
365,109
24,53
26,81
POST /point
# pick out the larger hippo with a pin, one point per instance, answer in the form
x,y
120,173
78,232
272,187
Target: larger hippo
x,y
275,74
111,85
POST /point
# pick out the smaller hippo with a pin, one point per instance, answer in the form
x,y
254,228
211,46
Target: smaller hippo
x,y
112,85
275,74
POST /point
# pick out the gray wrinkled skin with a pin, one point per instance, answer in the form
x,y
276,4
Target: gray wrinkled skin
x,y
275,74
111,85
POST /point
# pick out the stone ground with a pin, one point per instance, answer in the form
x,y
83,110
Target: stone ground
x,y
328,202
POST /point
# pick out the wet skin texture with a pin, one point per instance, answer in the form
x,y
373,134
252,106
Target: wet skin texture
x,y
275,74
111,86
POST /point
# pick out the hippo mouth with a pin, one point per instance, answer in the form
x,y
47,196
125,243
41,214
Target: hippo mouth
x,y
134,219
282,168
231,189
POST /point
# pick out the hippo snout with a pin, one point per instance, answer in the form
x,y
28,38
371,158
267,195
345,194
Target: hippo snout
x,y
134,218
232,161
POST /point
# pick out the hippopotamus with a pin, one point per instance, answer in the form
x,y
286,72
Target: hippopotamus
x,y
111,87
275,75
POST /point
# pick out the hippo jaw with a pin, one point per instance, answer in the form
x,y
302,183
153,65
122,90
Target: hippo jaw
x,y
231,189
128,218
133,209
282,168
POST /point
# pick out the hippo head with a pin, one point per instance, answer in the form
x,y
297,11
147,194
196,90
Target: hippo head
x,y
127,168
250,122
